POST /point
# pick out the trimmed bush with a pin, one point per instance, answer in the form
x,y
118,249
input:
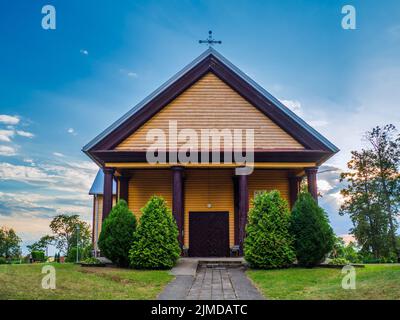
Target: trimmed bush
x,y
116,235
268,243
156,243
314,237
38,256
3,260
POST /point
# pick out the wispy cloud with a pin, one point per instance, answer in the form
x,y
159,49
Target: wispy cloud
x,y
25,134
6,135
297,108
24,173
294,105
72,131
58,154
84,52
7,119
7,151
74,177
128,73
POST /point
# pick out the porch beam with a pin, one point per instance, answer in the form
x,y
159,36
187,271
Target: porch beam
x,y
243,208
177,200
107,191
259,165
312,182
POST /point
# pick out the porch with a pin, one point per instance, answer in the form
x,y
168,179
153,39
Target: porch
x,y
210,204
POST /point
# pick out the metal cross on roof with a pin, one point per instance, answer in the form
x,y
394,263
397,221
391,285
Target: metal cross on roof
x,y
210,41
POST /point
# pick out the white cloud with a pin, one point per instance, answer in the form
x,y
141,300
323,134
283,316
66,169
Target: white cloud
x,y
60,188
25,134
7,151
6,119
72,131
30,161
58,154
324,186
293,105
22,173
132,74
84,52
6,135
318,123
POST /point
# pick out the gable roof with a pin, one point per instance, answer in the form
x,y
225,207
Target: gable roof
x,y
210,61
98,183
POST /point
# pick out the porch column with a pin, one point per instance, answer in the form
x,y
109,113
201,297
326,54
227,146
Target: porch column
x,y
243,208
177,200
294,188
312,182
123,187
107,191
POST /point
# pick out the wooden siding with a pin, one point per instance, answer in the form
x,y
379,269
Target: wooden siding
x,y
209,186
211,104
98,216
146,183
269,180
202,186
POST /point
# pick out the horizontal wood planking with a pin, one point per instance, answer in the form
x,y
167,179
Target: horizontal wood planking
x,y
269,180
146,183
211,104
209,186
98,217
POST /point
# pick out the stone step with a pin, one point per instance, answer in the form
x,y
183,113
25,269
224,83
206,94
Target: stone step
x,y
221,264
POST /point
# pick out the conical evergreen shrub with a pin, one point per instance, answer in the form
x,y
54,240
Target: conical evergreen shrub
x,y
155,244
117,233
314,237
268,243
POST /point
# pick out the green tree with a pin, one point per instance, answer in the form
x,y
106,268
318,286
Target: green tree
x,y
372,196
313,236
9,243
155,244
42,244
268,243
65,229
361,203
116,235
385,144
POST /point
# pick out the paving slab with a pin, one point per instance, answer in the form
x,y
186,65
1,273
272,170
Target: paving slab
x,y
193,282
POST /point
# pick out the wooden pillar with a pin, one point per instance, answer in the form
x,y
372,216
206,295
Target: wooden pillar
x,y
124,187
107,191
294,188
236,208
243,208
312,182
177,200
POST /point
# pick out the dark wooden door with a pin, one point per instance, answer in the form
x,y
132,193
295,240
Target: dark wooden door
x,y
208,234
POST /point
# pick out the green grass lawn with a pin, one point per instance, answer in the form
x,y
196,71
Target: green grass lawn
x,y
76,282
372,282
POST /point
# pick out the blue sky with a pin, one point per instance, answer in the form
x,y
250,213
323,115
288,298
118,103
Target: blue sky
x,y
59,88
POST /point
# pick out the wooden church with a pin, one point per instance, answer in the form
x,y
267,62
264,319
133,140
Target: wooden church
x,y
209,201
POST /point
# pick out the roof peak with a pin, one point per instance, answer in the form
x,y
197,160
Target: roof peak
x,y
239,73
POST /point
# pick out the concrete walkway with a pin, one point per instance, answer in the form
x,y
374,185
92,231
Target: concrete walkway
x,y
210,281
